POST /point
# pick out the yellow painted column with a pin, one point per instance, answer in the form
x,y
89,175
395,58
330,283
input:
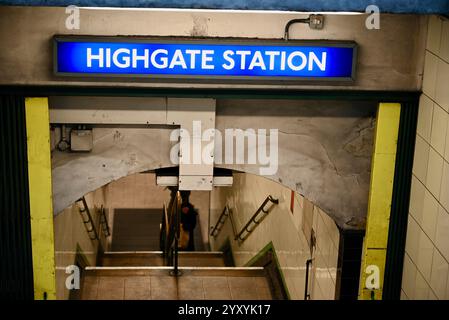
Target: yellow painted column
x,y
41,206
379,203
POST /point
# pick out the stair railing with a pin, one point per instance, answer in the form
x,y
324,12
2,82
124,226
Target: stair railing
x,y
104,222
249,227
170,231
306,288
220,222
255,220
88,221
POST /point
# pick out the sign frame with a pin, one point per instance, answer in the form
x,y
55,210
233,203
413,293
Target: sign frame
x,y
205,78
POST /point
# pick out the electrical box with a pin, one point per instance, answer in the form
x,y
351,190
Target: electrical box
x,y
81,140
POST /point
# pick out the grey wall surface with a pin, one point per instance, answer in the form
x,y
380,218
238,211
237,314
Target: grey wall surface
x,y
117,152
390,58
325,149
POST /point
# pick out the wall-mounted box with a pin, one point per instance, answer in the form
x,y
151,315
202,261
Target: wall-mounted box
x,y
81,140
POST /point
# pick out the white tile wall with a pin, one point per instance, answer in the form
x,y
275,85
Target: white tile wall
x,y
446,154
434,172
284,229
434,35
412,243
439,127
429,215
422,150
432,296
325,256
425,117
430,74
70,232
442,81
426,262
424,255
442,233
439,275
421,288
417,194
403,295
409,277
444,45
444,192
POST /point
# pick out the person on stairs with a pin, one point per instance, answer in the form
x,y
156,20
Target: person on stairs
x,y
188,223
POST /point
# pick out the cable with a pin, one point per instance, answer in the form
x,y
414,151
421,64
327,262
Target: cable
x,y
315,21
287,26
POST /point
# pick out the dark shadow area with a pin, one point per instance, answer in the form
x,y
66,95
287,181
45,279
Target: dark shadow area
x,y
293,108
268,260
136,229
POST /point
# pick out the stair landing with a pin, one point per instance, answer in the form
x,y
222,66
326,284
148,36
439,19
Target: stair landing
x,y
155,283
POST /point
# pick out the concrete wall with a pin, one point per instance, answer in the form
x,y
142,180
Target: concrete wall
x,y
426,264
325,256
324,152
289,232
117,152
388,58
325,149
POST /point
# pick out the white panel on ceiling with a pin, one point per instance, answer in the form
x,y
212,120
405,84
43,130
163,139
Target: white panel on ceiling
x,y
107,110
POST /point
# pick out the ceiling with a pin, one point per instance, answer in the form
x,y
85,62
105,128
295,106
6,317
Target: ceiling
x,y
386,6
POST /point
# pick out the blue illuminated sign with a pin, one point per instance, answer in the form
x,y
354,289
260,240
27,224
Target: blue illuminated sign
x,y
200,59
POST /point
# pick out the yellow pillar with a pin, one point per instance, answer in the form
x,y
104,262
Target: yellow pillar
x,y
41,206
379,203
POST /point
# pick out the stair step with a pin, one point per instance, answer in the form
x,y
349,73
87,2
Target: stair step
x,y
164,271
154,258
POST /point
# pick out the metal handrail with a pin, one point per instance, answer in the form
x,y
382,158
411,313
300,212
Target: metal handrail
x,y
172,232
104,222
306,289
166,219
220,223
254,219
88,220
231,219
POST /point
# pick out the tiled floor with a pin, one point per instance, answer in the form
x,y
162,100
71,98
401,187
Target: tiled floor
x,y
182,288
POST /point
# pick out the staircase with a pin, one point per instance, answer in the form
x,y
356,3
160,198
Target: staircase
x,y
154,258
148,275
143,276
